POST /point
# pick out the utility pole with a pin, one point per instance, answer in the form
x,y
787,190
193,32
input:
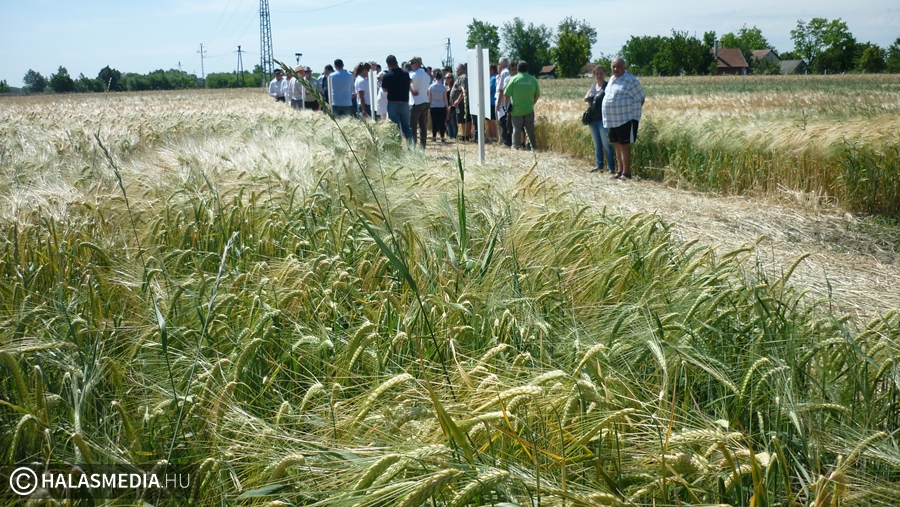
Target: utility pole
x,y
448,61
265,43
180,76
240,69
298,55
202,69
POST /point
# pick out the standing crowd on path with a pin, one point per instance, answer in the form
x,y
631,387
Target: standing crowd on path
x,y
410,95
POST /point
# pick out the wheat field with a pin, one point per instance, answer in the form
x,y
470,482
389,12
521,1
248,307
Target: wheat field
x,y
833,136
308,314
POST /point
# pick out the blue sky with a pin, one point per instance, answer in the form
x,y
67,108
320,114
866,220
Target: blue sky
x,y
141,36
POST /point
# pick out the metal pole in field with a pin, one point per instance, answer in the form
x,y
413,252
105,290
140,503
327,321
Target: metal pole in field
x,y
481,105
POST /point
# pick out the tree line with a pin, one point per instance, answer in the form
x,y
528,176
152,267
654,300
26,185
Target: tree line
x,y
109,79
826,46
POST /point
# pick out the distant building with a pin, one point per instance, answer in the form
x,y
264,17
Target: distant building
x,y
765,54
548,72
729,61
588,69
794,67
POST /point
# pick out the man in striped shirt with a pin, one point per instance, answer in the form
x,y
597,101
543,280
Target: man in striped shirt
x,y
621,113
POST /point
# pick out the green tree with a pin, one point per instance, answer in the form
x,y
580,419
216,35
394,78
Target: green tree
x,y
581,27
61,82
840,48
638,53
682,54
572,52
807,38
764,67
34,82
870,58
747,40
111,79
709,38
85,84
4,88
487,35
531,43
827,46
893,57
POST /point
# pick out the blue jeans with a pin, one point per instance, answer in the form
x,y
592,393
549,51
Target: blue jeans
x,y
399,114
452,125
602,145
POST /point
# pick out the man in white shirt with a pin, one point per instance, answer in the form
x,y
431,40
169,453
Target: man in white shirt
x,y
418,100
294,90
276,86
502,103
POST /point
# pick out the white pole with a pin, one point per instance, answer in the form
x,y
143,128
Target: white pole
x,y
302,97
373,91
331,93
481,105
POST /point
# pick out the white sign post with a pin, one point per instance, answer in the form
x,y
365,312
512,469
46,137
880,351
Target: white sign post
x,y
479,94
331,94
373,92
302,97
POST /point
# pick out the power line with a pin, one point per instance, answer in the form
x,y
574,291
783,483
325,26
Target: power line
x,y
315,10
220,20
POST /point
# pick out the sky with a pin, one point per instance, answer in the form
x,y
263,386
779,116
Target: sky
x,y
141,36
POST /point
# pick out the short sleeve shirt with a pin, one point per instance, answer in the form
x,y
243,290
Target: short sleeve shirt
x,y
623,100
522,90
459,87
396,83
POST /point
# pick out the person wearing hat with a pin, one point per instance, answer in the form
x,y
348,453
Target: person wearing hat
x,y
276,86
311,103
294,90
418,100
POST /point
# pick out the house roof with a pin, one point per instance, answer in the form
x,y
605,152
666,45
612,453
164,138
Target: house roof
x,y
788,66
547,69
730,58
759,54
588,68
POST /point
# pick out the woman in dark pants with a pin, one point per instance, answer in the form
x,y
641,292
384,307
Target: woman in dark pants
x,y
437,95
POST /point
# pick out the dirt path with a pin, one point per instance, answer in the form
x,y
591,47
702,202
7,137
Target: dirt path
x,y
859,259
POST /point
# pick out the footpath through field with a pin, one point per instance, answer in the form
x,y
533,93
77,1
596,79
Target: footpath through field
x,y
857,258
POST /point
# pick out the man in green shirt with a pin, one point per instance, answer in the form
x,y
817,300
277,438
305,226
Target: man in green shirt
x,y
524,91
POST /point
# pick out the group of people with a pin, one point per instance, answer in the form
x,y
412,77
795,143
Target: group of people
x,y
410,94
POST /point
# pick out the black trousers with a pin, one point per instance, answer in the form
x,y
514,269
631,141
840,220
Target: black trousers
x,y
438,121
506,129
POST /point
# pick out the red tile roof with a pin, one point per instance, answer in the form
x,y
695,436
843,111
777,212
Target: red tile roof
x,y
730,58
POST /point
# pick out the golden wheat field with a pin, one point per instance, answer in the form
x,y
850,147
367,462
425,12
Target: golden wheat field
x,y
835,136
299,311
